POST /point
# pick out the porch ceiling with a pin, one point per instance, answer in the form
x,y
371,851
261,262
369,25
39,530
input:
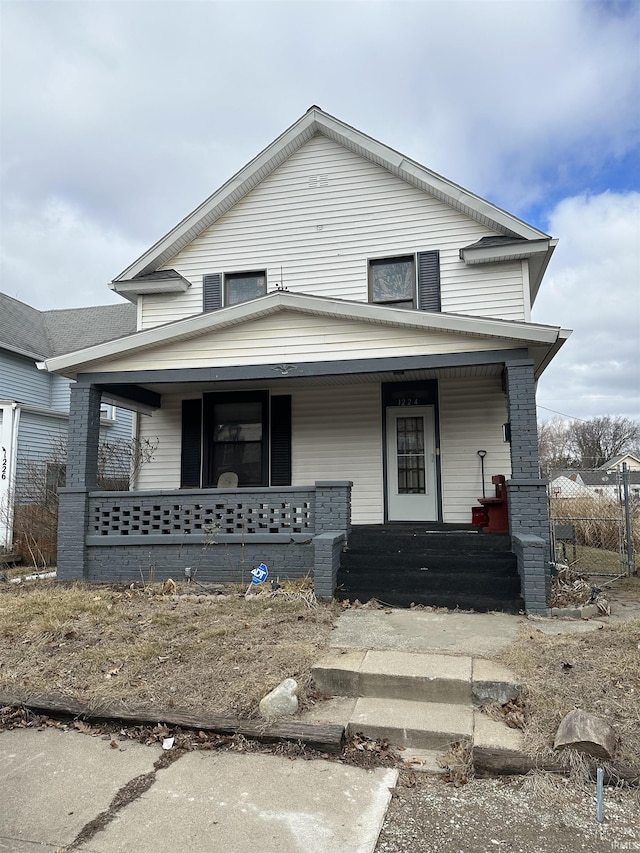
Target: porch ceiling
x,y
287,382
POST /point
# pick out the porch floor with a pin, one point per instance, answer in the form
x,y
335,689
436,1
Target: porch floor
x,y
430,564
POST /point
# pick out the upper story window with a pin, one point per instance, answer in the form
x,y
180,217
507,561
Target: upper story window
x,y
243,286
406,281
392,281
220,290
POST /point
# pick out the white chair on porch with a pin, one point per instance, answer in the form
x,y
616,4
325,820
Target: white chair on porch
x,y
228,480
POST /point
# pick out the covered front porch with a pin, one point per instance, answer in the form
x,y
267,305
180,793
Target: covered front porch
x,y
321,446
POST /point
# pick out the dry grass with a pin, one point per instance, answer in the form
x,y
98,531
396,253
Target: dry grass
x,y
598,671
217,654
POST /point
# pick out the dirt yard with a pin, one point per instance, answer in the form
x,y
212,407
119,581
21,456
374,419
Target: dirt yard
x,y
193,649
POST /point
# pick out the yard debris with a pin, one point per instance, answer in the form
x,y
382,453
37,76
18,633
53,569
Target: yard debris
x,y
362,751
169,587
572,588
457,763
586,733
512,712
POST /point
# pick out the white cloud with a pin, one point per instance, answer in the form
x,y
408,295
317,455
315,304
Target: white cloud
x,y
593,286
54,257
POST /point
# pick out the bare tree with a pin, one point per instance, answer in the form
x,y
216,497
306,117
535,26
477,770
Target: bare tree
x,y
554,446
597,440
586,444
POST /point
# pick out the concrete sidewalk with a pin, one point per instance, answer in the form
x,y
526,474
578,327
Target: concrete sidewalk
x,y
452,633
66,790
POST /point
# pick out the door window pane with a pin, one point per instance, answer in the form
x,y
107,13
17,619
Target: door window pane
x,y
410,456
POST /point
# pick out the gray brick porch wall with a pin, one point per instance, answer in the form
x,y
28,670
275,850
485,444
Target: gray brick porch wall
x,y
121,537
526,492
82,472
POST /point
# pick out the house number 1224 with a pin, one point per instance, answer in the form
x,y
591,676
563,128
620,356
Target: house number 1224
x,y
408,401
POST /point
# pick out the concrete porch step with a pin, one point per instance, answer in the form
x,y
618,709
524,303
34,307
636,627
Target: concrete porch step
x,y
422,701
406,723
395,675
413,676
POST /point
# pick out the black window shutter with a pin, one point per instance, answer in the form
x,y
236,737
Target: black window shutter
x,y
212,292
281,440
191,452
429,281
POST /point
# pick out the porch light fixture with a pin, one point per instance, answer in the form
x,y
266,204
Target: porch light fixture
x,y
482,454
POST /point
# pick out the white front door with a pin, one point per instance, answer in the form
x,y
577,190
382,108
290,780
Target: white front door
x,y
411,464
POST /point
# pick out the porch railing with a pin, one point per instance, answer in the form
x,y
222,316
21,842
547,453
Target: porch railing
x,y
248,514
201,513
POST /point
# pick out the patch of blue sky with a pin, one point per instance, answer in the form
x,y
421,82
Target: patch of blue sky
x,y
612,174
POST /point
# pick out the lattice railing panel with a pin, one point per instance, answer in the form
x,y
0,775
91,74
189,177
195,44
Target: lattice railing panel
x,y
153,515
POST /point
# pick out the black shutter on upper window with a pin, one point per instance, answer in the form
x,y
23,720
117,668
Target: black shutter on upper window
x,y
191,451
429,281
281,440
212,292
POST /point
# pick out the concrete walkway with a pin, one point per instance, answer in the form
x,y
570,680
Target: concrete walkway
x,y
64,791
453,633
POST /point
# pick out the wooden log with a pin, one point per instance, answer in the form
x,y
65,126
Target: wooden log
x,y
325,738
489,761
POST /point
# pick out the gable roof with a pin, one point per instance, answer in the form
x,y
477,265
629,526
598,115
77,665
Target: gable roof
x,y
618,460
316,121
46,334
547,337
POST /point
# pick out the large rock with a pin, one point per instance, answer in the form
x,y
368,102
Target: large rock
x,y
586,733
282,701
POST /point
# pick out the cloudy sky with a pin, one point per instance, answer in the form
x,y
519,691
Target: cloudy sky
x,y
119,117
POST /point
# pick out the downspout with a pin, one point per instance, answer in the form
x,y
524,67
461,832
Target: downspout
x,y
8,457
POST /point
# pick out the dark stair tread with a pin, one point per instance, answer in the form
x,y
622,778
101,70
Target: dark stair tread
x,y
500,587
454,563
480,603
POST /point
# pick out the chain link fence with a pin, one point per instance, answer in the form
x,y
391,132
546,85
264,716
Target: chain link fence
x,y
595,520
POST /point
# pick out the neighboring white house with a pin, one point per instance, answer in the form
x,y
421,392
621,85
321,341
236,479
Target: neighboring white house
x,y
336,311
34,406
602,482
632,462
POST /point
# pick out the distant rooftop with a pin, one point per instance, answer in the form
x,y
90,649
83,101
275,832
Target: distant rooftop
x,y
45,334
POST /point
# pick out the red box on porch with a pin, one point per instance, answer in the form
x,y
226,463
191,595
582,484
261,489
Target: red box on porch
x,y
479,516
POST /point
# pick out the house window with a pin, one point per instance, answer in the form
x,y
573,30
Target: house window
x,y
236,433
243,286
392,281
107,412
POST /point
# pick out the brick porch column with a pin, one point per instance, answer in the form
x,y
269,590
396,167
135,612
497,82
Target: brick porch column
x,y
82,472
526,491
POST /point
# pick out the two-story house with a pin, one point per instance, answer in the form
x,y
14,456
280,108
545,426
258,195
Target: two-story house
x,y
342,330
34,406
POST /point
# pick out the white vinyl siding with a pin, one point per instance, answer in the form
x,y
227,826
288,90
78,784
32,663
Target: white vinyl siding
x,y
318,239
472,412
291,336
337,435
497,292
164,429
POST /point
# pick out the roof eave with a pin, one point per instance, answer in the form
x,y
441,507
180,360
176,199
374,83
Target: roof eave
x,y
312,122
531,333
